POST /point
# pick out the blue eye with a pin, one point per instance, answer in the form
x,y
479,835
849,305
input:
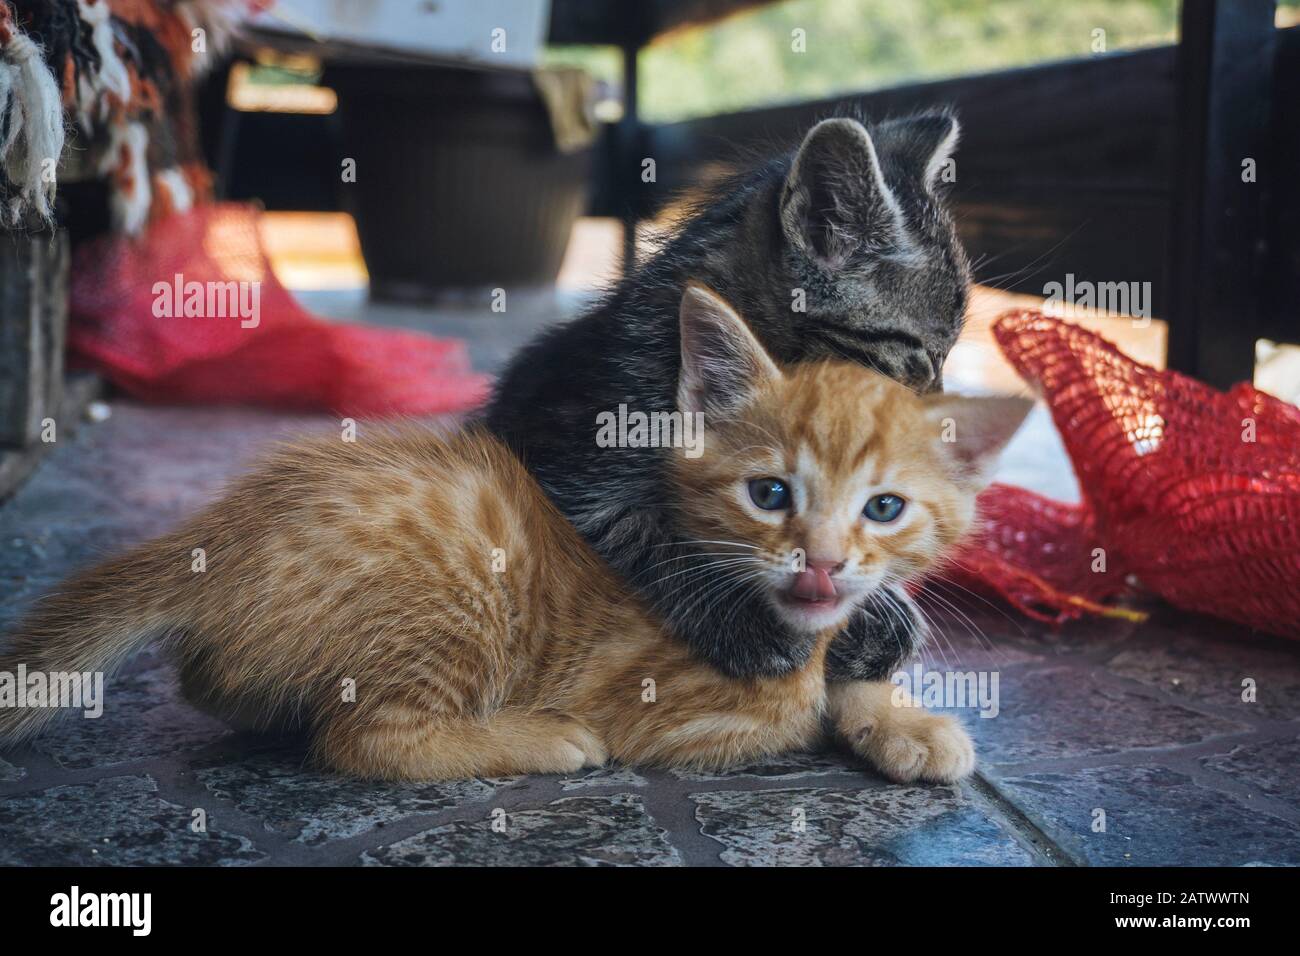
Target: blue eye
x,y
770,494
884,508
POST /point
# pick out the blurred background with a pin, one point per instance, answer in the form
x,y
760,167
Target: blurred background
x,y
413,160
1070,161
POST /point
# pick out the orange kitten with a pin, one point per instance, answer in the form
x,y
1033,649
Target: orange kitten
x,y
416,604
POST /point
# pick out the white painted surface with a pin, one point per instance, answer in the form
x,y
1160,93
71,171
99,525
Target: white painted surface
x,y
462,30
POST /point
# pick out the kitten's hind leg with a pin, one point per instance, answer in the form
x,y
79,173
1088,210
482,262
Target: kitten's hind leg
x,y
409,745
896,736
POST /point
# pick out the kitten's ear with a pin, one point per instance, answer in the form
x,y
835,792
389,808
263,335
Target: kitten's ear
x,y
924,143
834,200
723,364
973,431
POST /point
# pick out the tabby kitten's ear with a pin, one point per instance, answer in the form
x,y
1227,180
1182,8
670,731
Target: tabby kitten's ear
x,y
921,144
834,201
973,431
723,364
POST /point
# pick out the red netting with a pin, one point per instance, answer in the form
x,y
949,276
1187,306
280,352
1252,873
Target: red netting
x,y
128,323
1191,493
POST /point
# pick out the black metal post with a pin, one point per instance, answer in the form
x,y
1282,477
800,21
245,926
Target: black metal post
x,y
629,135
1219,240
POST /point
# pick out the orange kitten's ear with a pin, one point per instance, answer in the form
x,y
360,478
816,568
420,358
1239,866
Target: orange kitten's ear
x,y
973,431
723,364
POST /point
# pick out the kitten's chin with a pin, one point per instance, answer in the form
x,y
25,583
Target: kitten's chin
x,y
812,617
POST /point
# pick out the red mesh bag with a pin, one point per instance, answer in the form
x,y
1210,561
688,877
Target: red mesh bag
x,y
287,358
1192,493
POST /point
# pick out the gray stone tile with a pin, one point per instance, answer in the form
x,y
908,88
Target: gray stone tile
x,y
492,338
782,767
919,826
43,552
1087,636
9,773
1173,657
1154,817
612,830
968,634
320,808
118,821
1273,766
121,482
139,471
144,717
604,777
1078,711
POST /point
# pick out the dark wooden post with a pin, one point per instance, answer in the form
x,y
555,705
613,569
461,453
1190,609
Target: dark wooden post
x,y
33,325
629,135
1218,243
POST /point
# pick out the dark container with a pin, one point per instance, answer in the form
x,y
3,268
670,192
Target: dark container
x,y
458,180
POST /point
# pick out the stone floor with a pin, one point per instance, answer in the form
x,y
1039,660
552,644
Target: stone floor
x,y
1140,727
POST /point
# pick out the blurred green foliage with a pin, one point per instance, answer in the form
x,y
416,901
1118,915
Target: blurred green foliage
x,y
749,60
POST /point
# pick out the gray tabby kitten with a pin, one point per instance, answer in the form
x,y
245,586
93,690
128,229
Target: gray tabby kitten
x,y
841,249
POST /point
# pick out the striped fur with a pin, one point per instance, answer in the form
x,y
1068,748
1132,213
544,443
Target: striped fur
x,y
839,249
415,603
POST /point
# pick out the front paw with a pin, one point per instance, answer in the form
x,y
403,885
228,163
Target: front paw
x,y
580,748
878,641
909,745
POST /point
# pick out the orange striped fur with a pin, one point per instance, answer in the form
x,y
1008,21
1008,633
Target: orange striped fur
x,y
414,602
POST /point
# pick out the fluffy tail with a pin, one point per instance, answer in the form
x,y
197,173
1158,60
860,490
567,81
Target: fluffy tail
x,y
91,624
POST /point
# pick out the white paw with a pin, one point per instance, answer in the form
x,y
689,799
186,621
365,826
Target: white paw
x,y
581,748
915,745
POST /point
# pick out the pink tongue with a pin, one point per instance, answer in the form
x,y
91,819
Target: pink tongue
x,y
814,584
